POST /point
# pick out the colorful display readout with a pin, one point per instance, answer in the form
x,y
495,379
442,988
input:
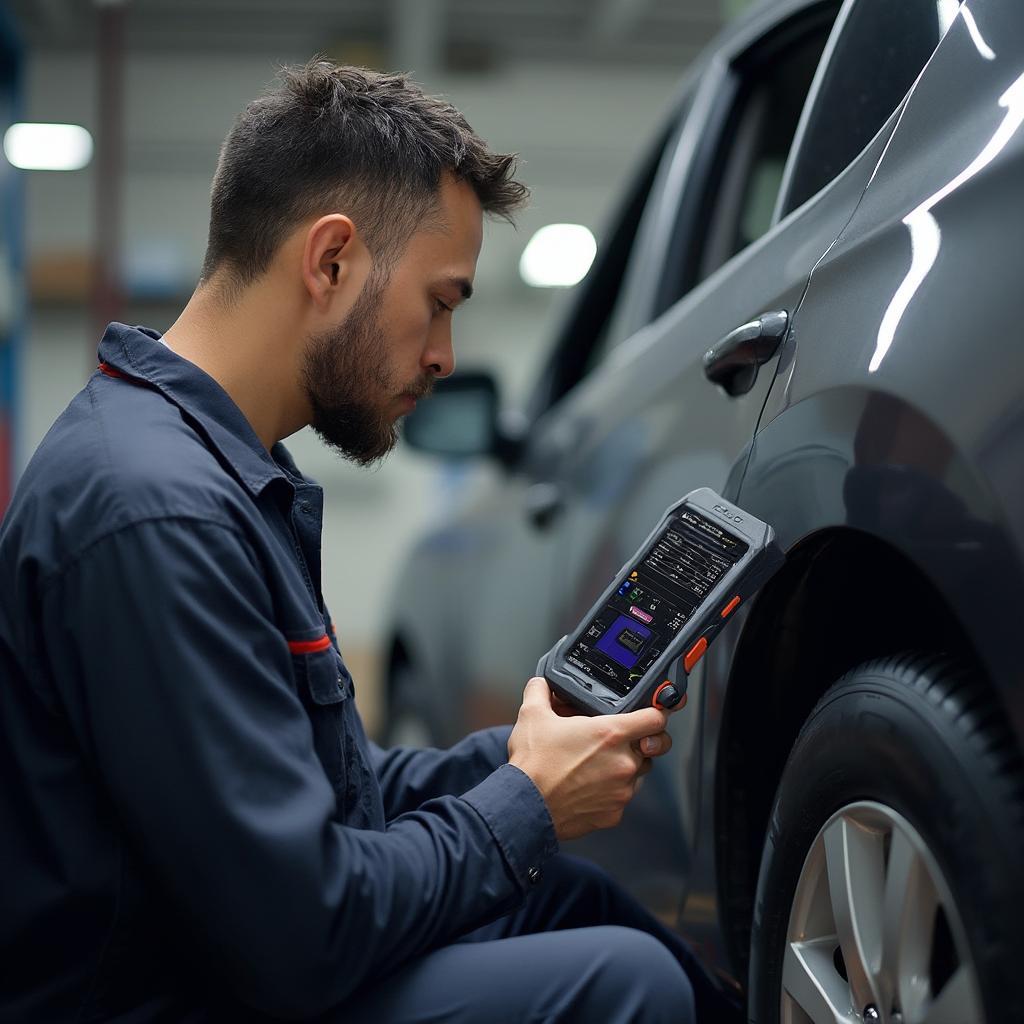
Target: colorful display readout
x,y
658,594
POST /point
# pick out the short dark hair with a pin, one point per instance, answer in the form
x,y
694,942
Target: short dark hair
x,y
328,137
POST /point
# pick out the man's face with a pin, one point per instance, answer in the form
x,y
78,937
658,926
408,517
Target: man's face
x,y
363,374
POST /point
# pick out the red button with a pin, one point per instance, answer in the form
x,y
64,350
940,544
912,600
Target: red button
x,y
730,607
694,654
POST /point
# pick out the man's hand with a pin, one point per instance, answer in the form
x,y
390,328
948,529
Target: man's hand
x,y
587,769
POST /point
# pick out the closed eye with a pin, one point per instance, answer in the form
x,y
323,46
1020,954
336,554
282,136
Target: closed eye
x,y
441,306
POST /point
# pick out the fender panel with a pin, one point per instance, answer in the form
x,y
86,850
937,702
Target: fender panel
x,y
880,466
893,543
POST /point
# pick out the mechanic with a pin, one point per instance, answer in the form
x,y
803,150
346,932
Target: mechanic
x,y
195,826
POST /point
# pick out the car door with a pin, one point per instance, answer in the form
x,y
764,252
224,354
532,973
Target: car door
x,y
649,425
739,234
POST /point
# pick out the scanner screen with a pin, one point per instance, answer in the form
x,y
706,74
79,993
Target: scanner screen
x,y
653,600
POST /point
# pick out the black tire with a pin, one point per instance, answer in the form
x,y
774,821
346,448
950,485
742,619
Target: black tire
x,y
409,716
924,738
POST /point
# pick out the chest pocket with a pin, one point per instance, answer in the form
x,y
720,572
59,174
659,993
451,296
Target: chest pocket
x,y
325,688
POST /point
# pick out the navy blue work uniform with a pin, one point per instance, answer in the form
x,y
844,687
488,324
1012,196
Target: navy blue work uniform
x,y
193,824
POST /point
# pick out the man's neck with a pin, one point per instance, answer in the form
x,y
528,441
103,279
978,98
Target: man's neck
x,y
241,346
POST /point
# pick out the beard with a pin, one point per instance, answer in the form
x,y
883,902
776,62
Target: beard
x,y
349,384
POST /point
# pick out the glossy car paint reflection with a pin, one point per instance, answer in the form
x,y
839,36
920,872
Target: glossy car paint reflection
x,y
897,408
883,444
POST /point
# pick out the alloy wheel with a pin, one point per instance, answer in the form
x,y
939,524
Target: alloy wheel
x,y
874,934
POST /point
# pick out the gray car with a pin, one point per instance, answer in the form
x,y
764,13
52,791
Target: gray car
x,y
808,302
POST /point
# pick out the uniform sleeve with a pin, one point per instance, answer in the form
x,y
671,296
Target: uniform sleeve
x,y
179,686
410,776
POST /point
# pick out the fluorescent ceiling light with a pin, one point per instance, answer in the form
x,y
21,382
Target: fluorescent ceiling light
x,y
558,256
48,147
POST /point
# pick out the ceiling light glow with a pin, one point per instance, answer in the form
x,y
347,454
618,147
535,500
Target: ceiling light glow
x,y
558,256
48,147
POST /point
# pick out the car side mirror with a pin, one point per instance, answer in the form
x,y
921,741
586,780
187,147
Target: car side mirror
x,y
460,420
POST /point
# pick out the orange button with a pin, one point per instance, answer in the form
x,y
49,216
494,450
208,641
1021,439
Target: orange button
x,y
694,654
730,607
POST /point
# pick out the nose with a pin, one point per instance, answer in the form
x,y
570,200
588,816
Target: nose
x,y
439,357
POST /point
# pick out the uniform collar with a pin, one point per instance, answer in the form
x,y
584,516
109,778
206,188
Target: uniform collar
x,y
133,352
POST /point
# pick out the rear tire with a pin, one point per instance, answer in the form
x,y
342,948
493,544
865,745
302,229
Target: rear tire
x,y
892,870
409,722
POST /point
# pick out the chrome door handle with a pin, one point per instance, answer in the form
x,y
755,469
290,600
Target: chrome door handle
x,y
733,363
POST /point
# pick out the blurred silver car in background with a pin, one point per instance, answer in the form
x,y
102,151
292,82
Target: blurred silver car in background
x,y
840,826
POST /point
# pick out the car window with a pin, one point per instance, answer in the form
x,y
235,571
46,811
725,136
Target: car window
x,y
580,346
621,319
877,52
746,147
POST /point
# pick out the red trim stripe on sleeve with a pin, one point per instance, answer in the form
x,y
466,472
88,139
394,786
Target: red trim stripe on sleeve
x,y
309,646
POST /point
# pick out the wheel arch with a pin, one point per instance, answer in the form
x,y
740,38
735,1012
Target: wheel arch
x,y
777,676
440,687
397,653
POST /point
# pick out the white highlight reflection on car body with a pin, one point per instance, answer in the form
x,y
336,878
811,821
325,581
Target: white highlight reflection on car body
x,y
925,236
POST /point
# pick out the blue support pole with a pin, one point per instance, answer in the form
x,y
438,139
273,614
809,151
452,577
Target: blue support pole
x,y
12,261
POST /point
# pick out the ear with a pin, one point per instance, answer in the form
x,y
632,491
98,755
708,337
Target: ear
x,y
331,248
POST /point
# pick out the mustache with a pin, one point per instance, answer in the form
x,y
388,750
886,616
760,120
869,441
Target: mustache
x,y
421,389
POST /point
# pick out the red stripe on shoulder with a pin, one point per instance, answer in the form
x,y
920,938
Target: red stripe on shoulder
x,y
113,371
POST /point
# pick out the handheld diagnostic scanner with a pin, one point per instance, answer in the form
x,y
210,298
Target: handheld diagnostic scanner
x,y
669,601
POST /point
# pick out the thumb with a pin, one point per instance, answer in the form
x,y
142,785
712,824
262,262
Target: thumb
x,y
537,693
